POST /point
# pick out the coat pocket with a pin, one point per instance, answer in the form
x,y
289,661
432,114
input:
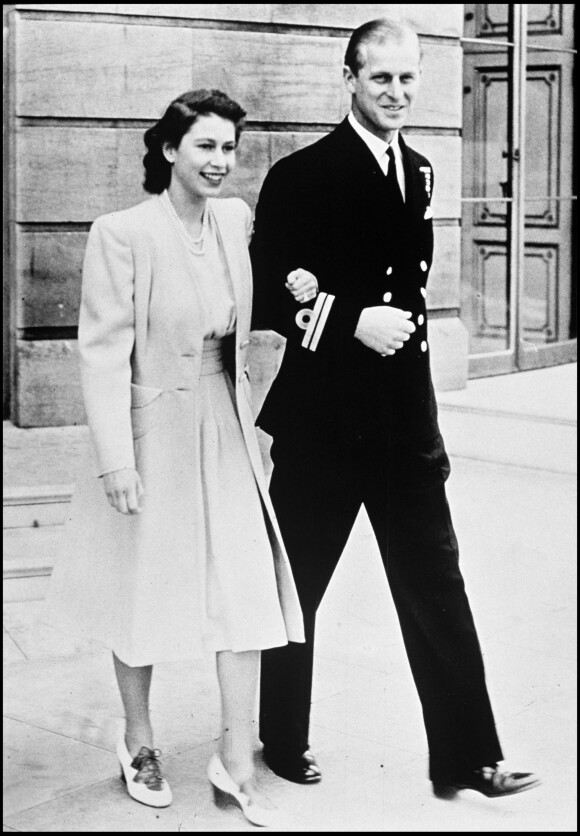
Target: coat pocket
x,y
144,409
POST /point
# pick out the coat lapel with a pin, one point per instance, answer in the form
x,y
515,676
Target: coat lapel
x,y
187,294
361,181
416,196
363,164
235,249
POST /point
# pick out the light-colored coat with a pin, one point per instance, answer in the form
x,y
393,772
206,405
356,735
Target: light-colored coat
x,y
130,581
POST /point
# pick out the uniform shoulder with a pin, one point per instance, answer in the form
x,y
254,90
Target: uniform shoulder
x,y
301,158
295,170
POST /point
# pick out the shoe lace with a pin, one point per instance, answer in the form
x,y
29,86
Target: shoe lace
x,y
148,767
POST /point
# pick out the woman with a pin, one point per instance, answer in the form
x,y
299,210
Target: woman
x,y
175,549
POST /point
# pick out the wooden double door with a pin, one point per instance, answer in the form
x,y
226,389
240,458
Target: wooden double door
x,y
519,291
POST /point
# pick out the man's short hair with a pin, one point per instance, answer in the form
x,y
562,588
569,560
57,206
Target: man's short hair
x,y
376,32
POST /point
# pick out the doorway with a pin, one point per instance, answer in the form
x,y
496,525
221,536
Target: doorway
x,y
519,212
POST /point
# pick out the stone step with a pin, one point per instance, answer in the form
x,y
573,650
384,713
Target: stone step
x,y
29,555
508,438
527,419
25,507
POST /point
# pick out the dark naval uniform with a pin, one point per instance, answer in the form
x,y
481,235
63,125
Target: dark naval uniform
x,y
351,427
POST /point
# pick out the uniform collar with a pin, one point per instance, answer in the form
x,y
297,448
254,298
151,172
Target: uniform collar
x,y
378,147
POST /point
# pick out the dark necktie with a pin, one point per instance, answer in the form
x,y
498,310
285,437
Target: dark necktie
x,y
391,183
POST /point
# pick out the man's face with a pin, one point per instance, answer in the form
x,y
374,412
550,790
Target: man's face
x,y
386,85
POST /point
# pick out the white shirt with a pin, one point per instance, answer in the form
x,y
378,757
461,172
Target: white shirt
x,y
378,147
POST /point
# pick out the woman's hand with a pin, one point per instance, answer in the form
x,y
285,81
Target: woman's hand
x,y
124,490
302,285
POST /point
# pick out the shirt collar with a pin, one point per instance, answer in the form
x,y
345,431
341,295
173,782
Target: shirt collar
x,y
378,147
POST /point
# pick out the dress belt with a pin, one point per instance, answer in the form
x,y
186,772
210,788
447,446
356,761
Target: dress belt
x,y
212,361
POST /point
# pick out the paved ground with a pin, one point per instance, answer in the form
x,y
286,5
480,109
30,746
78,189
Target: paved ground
x,y
516,528
62,714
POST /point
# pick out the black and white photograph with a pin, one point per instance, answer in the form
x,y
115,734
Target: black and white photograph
x,y
310,566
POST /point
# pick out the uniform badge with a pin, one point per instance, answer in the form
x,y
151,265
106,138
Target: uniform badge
x,y
427,175
313,320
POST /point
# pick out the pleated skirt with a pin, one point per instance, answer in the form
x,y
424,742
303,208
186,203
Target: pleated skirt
x,y
214,589
232,539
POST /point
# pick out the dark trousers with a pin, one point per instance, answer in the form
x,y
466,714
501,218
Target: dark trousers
x,y
317,497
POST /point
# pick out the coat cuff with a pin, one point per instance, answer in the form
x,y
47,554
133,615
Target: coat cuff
x,y
314,320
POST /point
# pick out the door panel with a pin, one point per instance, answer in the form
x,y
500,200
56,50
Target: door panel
x,y
549,222
492,19
545,270
485,256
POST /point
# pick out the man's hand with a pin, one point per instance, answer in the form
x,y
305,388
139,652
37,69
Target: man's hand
x,y
384,329
302,285
124,490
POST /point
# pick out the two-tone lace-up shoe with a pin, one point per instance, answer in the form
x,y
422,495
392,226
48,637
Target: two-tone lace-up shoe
x,y
142,775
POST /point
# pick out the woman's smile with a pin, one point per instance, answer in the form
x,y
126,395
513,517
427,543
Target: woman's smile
x,y
213,177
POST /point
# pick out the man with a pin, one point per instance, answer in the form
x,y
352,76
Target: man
x,y
348,222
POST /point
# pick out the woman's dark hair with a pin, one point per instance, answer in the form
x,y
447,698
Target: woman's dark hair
x,y
379,32
175,123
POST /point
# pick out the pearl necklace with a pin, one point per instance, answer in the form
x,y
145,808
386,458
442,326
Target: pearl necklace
x,y
197,245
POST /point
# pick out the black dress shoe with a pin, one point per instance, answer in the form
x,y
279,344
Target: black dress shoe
x,y
301,769
490,781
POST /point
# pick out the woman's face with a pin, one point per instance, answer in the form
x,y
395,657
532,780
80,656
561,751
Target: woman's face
x,y
206,154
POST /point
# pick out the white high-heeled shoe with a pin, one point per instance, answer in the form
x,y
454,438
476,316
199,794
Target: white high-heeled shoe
x,y
142,775
226,791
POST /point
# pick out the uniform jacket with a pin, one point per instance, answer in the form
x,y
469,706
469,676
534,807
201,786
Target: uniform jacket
x,y
141,333
325,209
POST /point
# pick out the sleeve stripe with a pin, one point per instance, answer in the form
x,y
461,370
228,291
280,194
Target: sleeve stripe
x,y
313,320
321,322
